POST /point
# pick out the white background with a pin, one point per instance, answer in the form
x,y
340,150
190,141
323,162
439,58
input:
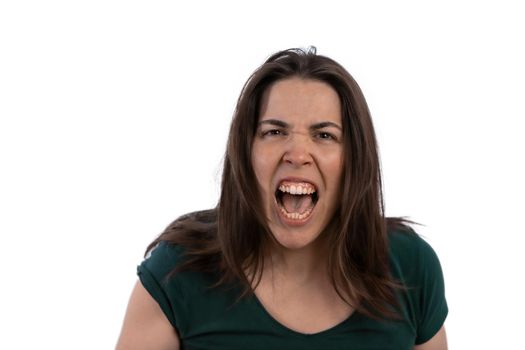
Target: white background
x,y
114,117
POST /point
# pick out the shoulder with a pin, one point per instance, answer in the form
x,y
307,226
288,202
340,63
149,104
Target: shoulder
x,y
163,258
415,264
410,252
405,241
176,290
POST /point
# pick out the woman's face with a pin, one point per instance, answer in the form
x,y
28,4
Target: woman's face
x,y
297,157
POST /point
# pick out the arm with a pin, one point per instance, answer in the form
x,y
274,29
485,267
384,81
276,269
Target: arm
x,y
145,325
437,342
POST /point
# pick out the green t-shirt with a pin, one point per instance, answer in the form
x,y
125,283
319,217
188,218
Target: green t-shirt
x,y
210,319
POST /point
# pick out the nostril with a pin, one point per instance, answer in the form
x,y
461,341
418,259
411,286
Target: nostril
x,y
297,158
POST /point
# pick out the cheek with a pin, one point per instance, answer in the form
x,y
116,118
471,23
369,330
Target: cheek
x,y
333,168
261,166
334,163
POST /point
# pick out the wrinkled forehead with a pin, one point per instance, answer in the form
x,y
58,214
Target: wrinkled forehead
x,y
300,99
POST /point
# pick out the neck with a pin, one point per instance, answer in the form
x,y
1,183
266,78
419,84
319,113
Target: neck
x,y
298,265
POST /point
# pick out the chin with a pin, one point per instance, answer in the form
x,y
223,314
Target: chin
x,y
294,239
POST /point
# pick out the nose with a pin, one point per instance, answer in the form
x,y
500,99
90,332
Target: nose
x,y
298,151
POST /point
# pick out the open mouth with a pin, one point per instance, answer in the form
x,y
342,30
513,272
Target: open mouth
x,y
296,200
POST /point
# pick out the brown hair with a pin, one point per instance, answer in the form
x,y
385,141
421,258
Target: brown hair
x,y
229,239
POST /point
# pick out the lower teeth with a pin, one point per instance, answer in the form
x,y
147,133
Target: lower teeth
x,y
296,216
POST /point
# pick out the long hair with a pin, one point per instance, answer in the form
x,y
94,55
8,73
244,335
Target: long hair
x,y
229,239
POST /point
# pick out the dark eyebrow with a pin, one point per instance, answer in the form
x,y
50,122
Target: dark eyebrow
x,y
316,126
325,125
275,122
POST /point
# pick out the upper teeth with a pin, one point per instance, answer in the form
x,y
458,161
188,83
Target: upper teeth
x,y
303,188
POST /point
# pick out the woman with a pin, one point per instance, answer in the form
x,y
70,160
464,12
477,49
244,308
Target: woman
x,y
297,254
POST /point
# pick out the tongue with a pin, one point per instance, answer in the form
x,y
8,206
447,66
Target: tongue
x,y
296,203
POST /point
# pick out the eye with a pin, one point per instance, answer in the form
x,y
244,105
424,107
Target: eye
x,y
272,132
323,135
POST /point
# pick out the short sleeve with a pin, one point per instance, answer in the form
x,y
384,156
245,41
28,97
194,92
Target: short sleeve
x,y
153,274
432,305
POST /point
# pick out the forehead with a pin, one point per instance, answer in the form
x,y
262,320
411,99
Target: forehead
x,y
306,99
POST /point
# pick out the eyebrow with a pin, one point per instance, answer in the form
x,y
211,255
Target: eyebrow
x,y
315,126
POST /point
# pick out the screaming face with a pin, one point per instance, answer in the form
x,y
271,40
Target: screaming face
x,y
297,157
296,200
